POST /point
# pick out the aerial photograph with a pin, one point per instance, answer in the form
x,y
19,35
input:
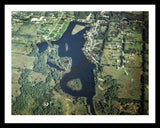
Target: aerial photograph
x,y
79,63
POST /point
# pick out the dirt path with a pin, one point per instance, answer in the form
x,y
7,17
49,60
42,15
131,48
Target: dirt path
x,y
54,26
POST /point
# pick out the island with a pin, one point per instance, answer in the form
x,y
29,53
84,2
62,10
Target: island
x,y
80,63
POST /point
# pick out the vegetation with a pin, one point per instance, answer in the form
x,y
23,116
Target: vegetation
x,y
81,15
117,43
77,28
75,84
122,60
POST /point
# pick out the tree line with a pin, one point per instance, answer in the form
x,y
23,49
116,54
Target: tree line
x,y
32,98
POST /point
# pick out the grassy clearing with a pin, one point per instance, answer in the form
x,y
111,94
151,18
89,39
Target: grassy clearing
x,y
77,28
18,47
19,61
136,12
110,70
21,38
62,30
37,77
69,107
22,61
57,32
132,87
134,36
134,62
131,83
15,86
29,29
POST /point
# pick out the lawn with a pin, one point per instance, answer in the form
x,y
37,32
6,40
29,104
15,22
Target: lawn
x,y
60,33
62,30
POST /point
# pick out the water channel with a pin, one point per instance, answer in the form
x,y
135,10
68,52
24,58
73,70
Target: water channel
x,y
81,67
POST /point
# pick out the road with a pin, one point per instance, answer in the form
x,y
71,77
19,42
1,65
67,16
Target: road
x,y
54,26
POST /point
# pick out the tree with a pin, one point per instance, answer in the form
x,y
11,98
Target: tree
x,y
40,64
19,106
23,79
34,51
49,78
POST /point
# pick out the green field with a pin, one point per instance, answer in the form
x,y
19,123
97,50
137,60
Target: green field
x,y
121,66
127,71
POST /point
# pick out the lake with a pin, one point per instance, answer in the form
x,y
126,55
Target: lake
x,y
81,67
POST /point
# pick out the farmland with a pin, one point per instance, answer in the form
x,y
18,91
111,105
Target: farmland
x,y
116,43
122,59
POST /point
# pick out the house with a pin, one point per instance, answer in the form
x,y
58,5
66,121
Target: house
x,y
105,16
117,61
46,104
34,19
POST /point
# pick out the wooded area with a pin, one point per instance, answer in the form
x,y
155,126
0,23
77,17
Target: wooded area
x,y
117,43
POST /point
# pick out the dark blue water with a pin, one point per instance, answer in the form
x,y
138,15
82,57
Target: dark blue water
x,y
75,44
54,66
42,46
81,67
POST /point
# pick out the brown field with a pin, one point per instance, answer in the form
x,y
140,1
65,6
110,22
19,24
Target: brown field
x,y
132,87
131,108
131,83
22,61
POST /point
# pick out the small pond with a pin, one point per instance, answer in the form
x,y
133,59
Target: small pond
x,y
42,46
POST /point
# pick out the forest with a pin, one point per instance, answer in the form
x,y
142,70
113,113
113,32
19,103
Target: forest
x,y
117,43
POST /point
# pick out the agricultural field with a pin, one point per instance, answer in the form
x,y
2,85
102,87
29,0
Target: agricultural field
x,y
122,59
112,76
